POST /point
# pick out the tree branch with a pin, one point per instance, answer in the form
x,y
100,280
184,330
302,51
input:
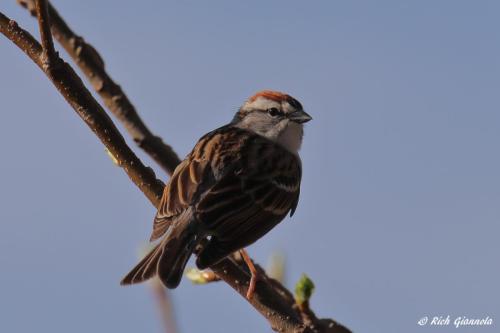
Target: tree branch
x,y
92,65
49,53
73,90
271,299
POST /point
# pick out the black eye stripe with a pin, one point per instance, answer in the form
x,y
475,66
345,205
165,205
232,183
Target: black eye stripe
x,y
243,114
273,112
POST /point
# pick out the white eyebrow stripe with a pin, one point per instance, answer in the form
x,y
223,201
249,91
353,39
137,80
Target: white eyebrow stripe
x,y
262,103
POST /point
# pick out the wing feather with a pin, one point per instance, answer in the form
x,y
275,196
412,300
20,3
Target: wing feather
x,y
255,196
239,184
180,192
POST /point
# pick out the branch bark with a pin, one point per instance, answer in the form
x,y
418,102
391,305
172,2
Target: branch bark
x,y
49,53
73,90
271,299
93,66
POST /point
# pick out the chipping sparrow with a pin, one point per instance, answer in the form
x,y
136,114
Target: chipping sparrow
x,y
238,182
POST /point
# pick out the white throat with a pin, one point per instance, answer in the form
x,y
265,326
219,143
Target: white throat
x,y
291,137
286,133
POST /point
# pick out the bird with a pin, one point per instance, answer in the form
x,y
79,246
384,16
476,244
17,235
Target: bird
x,y
237,183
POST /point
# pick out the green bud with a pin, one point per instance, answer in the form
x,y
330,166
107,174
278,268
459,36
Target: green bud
x,y
196,276
303,289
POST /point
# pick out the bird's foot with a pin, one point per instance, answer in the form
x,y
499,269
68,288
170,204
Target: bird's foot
x,y
253,271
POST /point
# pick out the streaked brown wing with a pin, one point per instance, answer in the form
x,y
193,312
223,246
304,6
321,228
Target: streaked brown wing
x,y
180,192
208,161
248,202
239,184
256,195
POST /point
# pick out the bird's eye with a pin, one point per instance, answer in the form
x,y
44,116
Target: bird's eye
x,y
273,112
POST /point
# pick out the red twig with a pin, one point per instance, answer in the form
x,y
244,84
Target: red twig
x,y
164,305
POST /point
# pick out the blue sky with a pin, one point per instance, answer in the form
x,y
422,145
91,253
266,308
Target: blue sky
x,y
399,214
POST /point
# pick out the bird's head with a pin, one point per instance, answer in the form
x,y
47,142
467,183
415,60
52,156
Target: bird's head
x,y
274,115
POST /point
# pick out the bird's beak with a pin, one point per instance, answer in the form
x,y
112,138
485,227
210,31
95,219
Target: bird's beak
x,y
299,117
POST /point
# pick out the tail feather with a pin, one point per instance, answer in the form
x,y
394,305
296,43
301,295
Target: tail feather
x,y
168,259
145,269
174,259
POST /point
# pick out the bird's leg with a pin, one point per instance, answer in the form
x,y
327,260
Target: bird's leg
x,y
253,272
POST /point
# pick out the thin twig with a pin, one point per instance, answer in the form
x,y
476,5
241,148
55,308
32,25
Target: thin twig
x,y
92,65
71,87
49,53
271,299
164,305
